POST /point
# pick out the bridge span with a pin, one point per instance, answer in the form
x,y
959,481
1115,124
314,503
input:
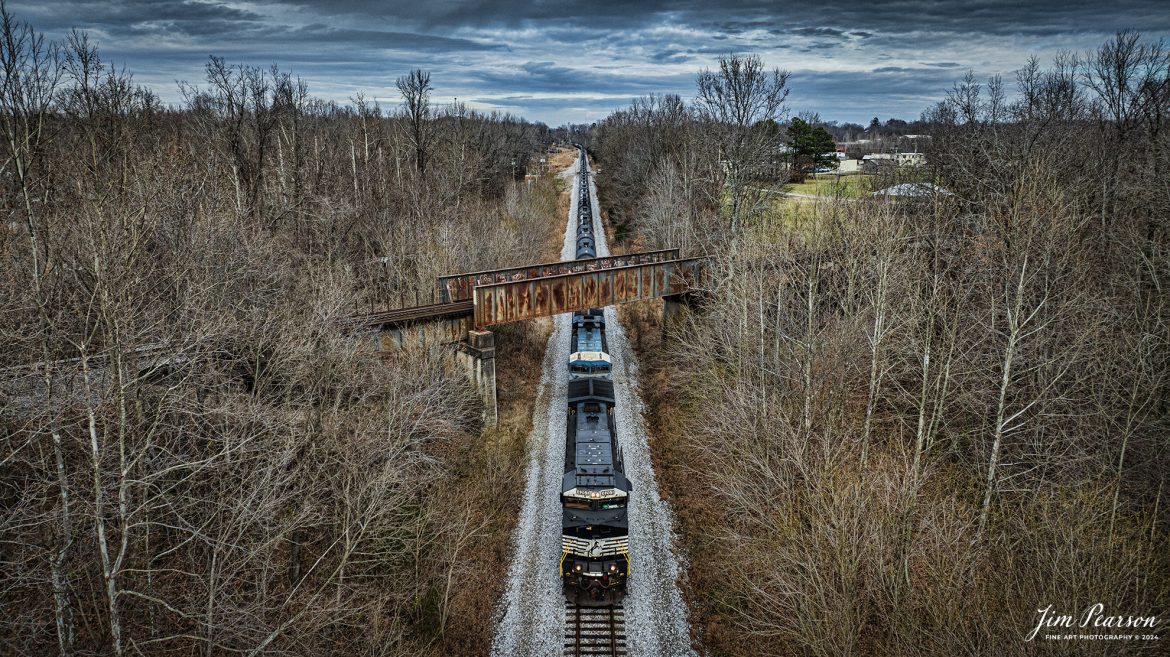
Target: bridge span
x,y
472,302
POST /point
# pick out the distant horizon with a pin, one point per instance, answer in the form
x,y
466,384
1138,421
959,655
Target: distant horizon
x,y
849,61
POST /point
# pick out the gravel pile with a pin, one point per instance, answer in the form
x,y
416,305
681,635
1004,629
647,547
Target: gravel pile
x,y
531,616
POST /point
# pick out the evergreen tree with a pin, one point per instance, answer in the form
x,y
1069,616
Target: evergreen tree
x,y
811,145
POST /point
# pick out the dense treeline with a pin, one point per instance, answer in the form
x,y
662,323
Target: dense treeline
x,y
658,178
206,465
904,427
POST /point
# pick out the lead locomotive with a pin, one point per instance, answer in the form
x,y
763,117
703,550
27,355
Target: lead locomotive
x,y
595,494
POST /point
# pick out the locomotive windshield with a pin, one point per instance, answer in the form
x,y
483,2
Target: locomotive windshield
x,y
586,499
593,505
589,362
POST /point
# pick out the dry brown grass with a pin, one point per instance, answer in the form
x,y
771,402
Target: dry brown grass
x,y
562,159
492,478
694,509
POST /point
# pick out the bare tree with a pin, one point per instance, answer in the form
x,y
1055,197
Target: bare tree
x,y
895,413
243,106
733,100
31,74
415,88
162,460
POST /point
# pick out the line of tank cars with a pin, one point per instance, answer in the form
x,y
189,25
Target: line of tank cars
x,y
595,544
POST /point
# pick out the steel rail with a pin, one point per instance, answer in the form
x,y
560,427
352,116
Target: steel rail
x,y
594,631
414,315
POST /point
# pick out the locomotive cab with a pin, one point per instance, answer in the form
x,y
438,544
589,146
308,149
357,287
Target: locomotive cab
x,y
595,562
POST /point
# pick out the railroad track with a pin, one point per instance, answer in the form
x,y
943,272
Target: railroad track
x,y
595,631
402,316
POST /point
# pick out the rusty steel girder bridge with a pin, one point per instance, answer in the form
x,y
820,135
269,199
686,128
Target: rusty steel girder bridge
x,y
500,303
471,302
478,300
459,287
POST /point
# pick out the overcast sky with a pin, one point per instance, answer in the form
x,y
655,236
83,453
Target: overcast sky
x,y
570,61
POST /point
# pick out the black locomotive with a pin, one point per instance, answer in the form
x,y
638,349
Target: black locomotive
x,y
595,562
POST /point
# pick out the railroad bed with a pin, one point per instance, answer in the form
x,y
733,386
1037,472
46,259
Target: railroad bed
x,y
595,631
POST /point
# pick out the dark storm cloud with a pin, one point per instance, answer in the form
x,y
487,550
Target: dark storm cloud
x,y
739,27
232,27
815,31
559,61
847,96
534,76
317,34
550,78
670,57
898,16
116,17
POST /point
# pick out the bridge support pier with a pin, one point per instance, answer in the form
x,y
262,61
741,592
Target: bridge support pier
x,y
478,355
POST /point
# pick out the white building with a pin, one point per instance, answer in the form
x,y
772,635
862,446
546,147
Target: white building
x,y
877,160
910,159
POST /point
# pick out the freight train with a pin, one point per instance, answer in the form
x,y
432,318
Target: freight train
x,y
595,495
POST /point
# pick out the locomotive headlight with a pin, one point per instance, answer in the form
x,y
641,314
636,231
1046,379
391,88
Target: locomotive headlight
x,y
577,568
613,567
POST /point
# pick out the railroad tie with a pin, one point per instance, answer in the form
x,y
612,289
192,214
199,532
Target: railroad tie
x,y
595,631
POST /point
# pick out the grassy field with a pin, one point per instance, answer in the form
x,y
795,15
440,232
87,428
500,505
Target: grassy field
x,y
832,186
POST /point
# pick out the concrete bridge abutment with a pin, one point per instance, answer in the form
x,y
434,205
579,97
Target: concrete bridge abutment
x,y
477,354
